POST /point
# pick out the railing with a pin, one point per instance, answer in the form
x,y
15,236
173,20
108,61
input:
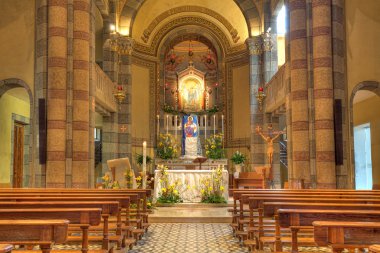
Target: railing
x,y
104,90
276,90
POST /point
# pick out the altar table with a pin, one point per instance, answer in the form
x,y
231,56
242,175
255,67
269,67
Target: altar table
x,y
189,178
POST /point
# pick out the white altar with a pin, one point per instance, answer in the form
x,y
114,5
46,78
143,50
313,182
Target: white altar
x,y
189,178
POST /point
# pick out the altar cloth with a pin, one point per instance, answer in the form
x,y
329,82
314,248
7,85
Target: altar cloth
x,y
189,178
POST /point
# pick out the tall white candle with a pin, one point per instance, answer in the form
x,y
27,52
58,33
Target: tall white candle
x,y
144,165
205,127
167,124
175,125
158,125
214,123
222,124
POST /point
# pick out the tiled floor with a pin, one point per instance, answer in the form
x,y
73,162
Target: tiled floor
x,y
189,237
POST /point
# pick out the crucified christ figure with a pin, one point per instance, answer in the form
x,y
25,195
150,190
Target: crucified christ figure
x,y
269,140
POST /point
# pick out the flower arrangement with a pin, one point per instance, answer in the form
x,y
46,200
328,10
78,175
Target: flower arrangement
x,y
170,193
108,183
214,147
140,180
128,175
167,147
212,187
139,159
238,158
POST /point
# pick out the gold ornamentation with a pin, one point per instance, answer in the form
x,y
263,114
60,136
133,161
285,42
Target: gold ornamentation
x,y
148,31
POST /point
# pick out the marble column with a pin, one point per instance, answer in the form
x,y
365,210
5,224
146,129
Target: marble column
x,y
56,93
323,94
125,108
257,145
80,125
299,95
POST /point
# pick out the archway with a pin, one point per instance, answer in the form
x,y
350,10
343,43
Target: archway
x,y
365,135
16,138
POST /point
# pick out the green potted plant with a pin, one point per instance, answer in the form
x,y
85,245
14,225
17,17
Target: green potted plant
x,y
238,159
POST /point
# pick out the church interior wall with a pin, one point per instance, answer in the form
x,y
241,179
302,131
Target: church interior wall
x,y
17,40
140,102
9,105
98,36
362,115
363,36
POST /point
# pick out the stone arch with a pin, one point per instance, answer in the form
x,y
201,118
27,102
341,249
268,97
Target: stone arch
x,y
248,8
373,86
6,85
188,21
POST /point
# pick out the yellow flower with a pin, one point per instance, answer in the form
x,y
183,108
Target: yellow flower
x,y
163,189
213,146
202,191
138,178
175,192
210,189
188,187
221,188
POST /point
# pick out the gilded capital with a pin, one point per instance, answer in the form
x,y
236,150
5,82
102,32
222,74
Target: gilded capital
x,y
125,45
254,45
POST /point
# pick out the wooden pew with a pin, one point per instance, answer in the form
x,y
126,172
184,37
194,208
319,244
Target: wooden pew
x,y
5,248
270,211
249,179
109,208
33,232
85,217
346,235
301,219
374,249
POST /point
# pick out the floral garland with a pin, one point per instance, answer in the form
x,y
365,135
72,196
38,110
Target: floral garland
x,y
171,110
167,147
214,147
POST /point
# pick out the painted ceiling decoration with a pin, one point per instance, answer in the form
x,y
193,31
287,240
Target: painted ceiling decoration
x,y
182,9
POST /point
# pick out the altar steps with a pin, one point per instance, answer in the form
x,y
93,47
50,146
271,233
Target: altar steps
x,y
191,213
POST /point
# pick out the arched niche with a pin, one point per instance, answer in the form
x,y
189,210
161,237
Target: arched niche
x,y
372,89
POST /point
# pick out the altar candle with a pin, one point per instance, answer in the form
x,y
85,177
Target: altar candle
x,y
167,124
222,124
214,123
144,156
158,125
205,127
176,125
144,165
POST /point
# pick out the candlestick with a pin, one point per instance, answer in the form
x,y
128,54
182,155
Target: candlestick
x,y
214,123
205,127
144,166
167,124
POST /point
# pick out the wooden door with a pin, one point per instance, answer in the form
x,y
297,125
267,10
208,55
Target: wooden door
x,y
18,155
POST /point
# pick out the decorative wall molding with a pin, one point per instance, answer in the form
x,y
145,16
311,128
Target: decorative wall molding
x,y
190,8
187,21
229,100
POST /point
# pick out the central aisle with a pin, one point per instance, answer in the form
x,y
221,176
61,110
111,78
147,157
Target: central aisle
x,y
189,237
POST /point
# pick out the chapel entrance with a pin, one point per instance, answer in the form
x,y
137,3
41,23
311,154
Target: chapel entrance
x,y
18,154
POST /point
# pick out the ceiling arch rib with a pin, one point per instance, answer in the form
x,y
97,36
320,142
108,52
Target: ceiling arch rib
x,y
205,24
247,8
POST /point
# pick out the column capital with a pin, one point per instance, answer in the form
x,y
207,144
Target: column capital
x,y
125,45
254,44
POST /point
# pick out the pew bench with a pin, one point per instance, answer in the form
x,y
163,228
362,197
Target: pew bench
x,y
374,249
346,235
43,233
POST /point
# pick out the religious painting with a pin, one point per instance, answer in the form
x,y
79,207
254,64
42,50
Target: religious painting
x,y
190,126
190,140
191,97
